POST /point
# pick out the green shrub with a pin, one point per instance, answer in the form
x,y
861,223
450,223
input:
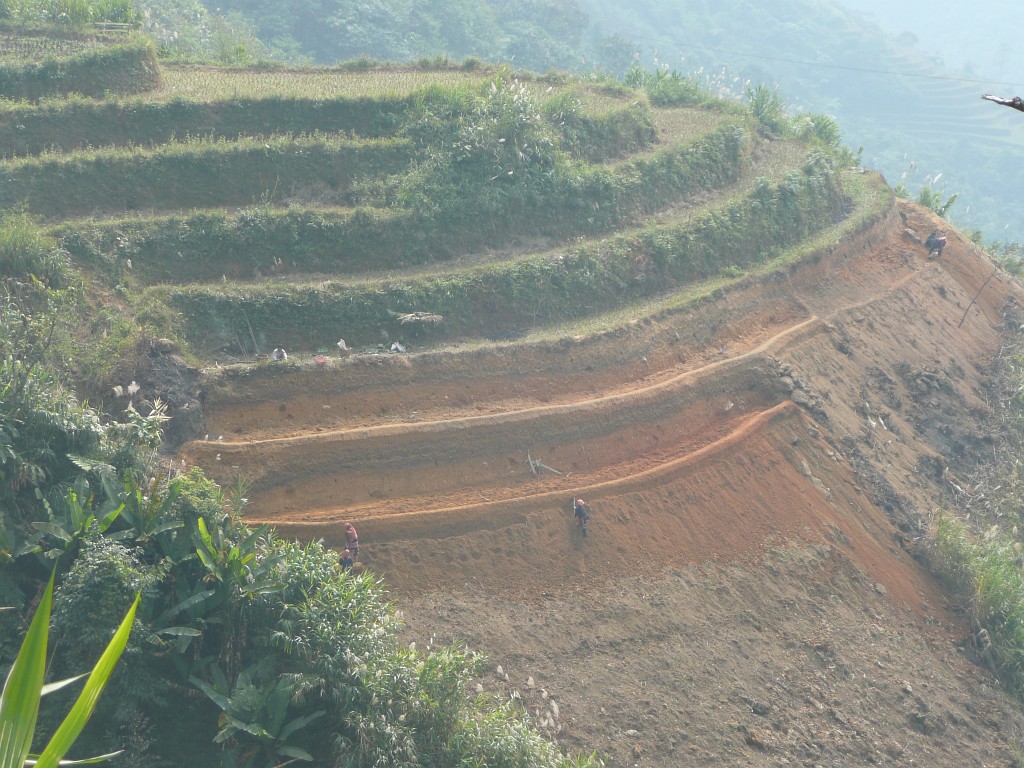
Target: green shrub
x,y
986,570
26,252
596,138
667,88
769,109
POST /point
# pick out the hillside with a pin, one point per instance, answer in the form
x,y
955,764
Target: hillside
x,y
705,320
759,469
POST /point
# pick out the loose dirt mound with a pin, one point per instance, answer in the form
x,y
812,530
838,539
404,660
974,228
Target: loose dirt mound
x,y
757,468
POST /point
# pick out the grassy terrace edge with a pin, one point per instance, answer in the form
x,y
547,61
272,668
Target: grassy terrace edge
x,y
192,173
262,240
125,67
602,128
515,294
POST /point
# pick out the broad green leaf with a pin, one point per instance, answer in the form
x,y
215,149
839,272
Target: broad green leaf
x,y
166,526
185,604
249,542
54,530
19,703
80,713
294,752
216,696
173,492
299,723
84,761
178,631
109,519
204,533
268,564
211,566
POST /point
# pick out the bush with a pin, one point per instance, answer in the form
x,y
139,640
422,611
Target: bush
x,y
26,253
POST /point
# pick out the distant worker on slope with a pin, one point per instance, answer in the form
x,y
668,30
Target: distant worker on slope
x,y
581,515
935,242
352,540
279,354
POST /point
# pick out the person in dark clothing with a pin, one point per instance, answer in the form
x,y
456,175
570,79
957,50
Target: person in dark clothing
x,y
346,560
935,242
582,515
352,540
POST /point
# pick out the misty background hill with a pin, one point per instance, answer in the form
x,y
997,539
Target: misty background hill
x,y
904,83
980,39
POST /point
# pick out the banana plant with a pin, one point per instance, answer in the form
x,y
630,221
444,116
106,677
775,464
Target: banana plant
x,y
19,702
75,517
168,627
254,712
231,563
150,516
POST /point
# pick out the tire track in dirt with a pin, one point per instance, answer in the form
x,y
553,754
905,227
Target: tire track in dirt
x,y
456,520
809,326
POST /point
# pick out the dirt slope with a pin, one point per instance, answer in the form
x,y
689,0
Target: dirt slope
x,y
757,467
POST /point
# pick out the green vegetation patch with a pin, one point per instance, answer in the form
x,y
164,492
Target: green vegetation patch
x,y
74,124
127,67
536,290
263,240
193,174
987,570
592,125
249,243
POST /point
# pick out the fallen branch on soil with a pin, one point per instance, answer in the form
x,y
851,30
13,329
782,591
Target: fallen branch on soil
x,y
536,464
976,297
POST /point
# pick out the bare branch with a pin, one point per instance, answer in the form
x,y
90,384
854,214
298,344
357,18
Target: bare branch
x,y
1015,103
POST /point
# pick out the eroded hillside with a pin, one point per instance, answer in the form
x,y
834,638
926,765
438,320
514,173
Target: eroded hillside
x,y
758,466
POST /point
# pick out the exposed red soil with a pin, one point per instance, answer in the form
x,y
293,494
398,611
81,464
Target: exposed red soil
x,y
756,467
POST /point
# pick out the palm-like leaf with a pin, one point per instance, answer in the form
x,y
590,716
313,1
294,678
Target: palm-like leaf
x,y
19,705
83,708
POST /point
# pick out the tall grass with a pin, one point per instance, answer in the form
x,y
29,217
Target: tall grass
x,y
987,569
25,251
